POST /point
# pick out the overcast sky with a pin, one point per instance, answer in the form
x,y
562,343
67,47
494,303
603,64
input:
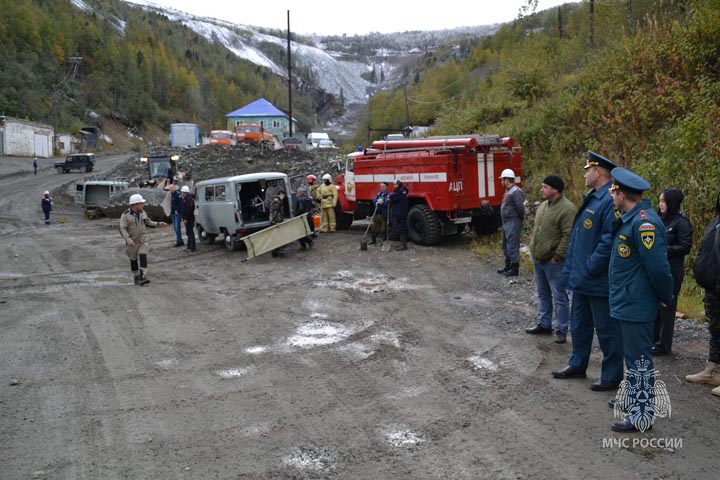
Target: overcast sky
x,y
335,17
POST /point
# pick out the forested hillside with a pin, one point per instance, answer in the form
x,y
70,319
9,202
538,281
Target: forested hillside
x,y
62,65
638,82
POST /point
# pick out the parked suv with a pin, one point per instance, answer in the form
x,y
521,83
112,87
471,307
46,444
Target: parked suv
x,y
82,162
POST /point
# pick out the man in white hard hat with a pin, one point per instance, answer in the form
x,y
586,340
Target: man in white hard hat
x,y
46,203
512,214
132,228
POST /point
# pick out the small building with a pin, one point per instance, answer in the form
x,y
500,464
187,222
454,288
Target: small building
x,y
25,139
263,113
65,144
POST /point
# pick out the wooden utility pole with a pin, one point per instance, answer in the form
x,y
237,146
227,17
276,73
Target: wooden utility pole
x,y
560,32
289,55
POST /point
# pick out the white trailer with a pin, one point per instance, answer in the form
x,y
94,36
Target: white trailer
x,y
184,135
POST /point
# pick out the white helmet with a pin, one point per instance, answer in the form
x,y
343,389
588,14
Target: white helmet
x,y
185,189
46,192
508,173
327,176
136,198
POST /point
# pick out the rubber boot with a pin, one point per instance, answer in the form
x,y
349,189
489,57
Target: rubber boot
x,y
507,267
140,279
403,243
514,270
710,375
373,240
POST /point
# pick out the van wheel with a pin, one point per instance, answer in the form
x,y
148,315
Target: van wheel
x,y
342,220
232,243
60,170
423,226
84,169
206,238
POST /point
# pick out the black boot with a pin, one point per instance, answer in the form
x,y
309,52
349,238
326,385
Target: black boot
x,y
373,240
507,267
403,243
513,271
140,279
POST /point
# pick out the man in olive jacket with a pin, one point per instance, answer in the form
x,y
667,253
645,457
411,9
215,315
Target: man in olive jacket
x,y
548,246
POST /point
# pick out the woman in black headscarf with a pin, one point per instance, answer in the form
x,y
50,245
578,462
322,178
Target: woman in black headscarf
x,y
679,240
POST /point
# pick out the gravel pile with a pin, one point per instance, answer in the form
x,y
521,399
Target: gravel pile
x,y
211,161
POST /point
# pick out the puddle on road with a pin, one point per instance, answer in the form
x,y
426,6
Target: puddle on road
x,y
318,333
366,282
166,364
407,392
311,458
256,350
402,437
364,349
481,363
233,373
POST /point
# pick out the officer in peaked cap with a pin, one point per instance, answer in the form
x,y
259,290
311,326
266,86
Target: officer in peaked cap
x,y
585,272
640,280
624,179
595,160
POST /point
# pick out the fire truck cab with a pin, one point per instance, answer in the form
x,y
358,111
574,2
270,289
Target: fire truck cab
x,y
452,181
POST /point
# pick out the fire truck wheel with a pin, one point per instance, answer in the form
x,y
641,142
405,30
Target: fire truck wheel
x,y
342,220
423,226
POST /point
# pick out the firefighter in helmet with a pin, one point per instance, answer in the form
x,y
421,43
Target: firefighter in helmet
x,y
327,193
132,228
311,179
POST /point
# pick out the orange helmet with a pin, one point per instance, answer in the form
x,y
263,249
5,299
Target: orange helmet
x,y
311,178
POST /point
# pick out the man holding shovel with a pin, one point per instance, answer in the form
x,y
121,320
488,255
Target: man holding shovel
x,y
379,221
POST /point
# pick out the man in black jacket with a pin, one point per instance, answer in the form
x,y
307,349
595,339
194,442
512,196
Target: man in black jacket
x,y
304,204
188,216
399,206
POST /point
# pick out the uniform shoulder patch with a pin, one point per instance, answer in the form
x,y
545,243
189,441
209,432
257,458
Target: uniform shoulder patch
x,y
647,227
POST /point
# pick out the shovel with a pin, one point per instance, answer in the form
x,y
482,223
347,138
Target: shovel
x,y
386,244
363,242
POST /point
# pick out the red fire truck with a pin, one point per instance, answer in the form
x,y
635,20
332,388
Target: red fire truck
x,y
452,181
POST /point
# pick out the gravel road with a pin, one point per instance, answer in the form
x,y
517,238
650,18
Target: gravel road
x,y
334,363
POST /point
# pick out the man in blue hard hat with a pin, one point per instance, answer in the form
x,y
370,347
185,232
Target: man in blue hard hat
x,y
640,281
585,273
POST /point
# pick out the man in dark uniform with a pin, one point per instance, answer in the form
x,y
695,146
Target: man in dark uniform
x,y
640,280
399,206
176,213
586,273
380,219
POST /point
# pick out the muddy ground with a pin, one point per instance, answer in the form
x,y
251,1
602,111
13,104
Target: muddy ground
x,y
332,363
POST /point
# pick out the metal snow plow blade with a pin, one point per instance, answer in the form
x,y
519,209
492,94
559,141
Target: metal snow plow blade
x,y
157,203
276,236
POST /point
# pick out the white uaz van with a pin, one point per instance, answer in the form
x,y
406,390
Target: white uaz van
x,y
234,207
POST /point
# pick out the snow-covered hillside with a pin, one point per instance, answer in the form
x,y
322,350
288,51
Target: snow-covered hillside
x,y
333,71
